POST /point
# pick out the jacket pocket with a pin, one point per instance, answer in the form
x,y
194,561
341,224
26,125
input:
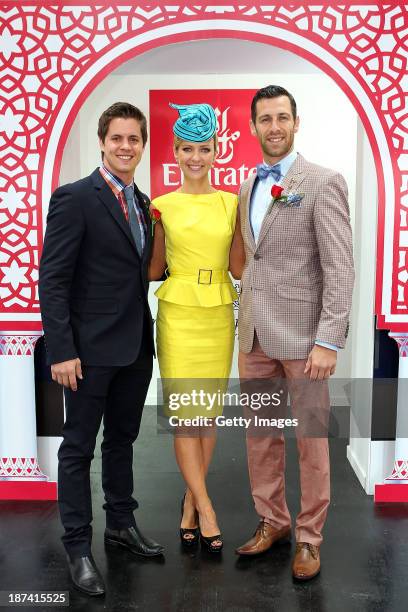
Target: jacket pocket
x,y
302,294
97,306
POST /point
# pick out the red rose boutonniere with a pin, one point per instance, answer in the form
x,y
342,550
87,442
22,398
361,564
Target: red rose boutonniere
x,y
155,216
292,200
276,192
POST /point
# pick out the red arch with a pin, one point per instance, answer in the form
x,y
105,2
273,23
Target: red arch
x,y
186,36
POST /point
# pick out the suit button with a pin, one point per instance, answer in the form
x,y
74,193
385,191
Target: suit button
x,y
257,256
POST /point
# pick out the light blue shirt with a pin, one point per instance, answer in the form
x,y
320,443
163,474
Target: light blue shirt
x,y
260,200
261,194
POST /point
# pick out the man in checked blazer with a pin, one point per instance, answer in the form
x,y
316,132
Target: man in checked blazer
x,y
294,309
99,337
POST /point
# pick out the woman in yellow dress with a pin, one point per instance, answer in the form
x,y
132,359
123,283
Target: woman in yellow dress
x,y
199,240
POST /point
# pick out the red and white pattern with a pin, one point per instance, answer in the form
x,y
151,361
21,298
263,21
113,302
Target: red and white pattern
x,y
21,469
399,472
54,55
402,341
17,344
395,487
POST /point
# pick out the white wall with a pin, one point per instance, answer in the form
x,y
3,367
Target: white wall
x,y
371,461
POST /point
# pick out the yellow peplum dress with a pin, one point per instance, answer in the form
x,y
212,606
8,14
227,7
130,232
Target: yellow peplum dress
x,y
195,320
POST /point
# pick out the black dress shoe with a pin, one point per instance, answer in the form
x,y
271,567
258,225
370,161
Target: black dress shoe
x,y
85,575
132,539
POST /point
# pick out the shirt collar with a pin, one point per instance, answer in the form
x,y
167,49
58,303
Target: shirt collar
x,y
115,180
286,162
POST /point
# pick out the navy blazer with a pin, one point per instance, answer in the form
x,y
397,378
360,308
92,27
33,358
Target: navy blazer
x,y
93,284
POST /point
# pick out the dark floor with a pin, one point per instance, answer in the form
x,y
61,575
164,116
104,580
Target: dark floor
x,y
364,555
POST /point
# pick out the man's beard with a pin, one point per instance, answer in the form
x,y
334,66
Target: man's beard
x,y
283,150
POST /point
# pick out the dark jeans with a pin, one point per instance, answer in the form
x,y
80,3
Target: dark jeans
x,y
117,394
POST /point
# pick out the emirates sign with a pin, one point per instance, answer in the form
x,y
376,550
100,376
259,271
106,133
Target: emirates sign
x,y
238,150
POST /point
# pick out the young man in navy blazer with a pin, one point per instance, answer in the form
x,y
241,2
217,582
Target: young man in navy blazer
x,y
99,336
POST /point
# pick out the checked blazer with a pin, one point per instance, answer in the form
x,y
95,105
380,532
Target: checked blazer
x,y
298,279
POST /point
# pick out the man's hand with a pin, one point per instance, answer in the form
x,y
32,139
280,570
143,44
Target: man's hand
x,y
67,372
321,362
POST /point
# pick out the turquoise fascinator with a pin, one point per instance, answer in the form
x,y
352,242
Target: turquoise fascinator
x,y
196,123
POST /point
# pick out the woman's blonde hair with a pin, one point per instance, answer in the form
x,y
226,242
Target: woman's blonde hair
x,y
177,142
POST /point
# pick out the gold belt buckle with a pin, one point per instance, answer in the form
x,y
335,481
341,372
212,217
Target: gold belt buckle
x,y
209,277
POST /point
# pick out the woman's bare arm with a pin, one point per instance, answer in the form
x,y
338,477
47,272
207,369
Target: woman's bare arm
x,y
157,263
237,252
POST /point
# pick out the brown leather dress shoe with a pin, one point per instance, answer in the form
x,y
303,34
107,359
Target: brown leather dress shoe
x,y
263,538
306,564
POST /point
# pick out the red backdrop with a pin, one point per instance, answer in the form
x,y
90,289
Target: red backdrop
x,y
238,151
